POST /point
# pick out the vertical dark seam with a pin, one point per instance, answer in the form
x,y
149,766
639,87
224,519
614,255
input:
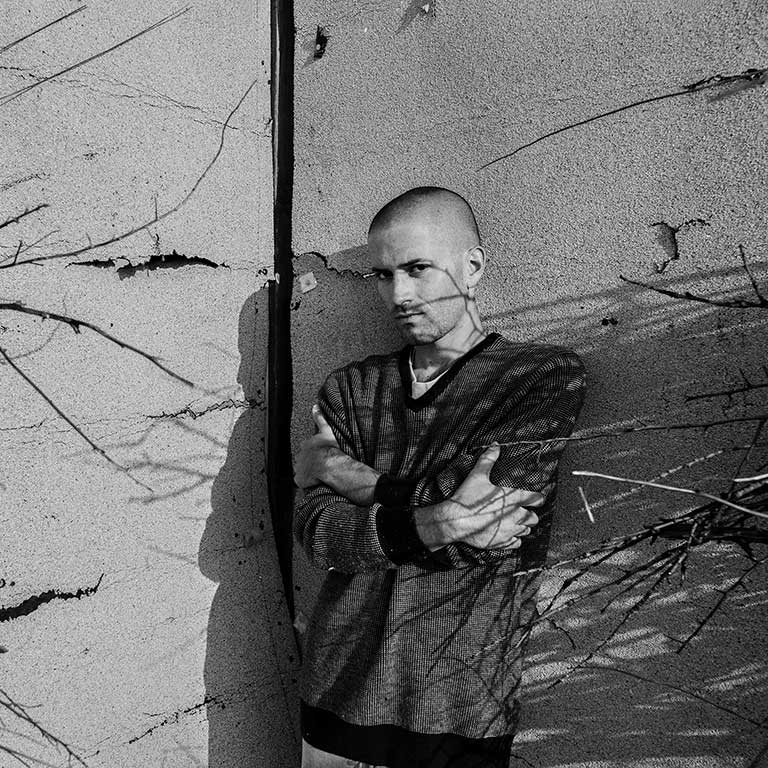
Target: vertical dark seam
x,y
280,375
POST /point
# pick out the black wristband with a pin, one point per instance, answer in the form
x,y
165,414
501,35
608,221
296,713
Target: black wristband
x,y
398,536
392,492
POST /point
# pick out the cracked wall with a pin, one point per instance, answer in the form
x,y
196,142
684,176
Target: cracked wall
x,y
652,169
142,617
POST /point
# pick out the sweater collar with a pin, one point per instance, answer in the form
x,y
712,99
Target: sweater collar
x,y
404,365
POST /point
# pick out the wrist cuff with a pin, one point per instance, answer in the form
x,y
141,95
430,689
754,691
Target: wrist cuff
x,y
392,492
396,529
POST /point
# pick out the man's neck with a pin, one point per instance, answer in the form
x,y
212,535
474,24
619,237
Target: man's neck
x,y
430,360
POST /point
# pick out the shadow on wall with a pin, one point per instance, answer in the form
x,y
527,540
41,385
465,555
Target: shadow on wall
x,y
250,666
611,679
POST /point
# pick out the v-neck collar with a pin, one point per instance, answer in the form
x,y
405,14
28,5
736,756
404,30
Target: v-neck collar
x,y
416,403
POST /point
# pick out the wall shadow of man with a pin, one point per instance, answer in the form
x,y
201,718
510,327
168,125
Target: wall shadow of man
x,y
251,658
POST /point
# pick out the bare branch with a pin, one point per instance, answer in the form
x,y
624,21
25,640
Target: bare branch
x,y
587,508
10,45
673,489
157,218
15,94
75,324
618,432
17,710
750,275
750,479
748,76
684,691
726,392
688,296
16,219
718,604
69,421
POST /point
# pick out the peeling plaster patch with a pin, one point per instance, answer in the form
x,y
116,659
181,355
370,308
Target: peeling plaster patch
x,y
187,411
157,261
166,261
31,604
307,282
666,235
416,9
754,78
321,42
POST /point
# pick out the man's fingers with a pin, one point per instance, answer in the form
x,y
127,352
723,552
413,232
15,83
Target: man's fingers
x,y
513,543
322,425
526,499
486,460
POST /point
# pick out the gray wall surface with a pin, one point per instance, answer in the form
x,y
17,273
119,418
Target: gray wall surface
x,y
664,192
142,616
143,620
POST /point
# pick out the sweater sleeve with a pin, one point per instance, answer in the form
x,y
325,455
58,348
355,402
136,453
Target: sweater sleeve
x,y
529,429
339,535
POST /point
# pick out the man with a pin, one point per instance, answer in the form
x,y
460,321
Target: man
x,y
419,490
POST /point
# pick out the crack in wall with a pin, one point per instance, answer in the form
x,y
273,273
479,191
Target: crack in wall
x,y
355,253
223,405
31,604
6,185
175,717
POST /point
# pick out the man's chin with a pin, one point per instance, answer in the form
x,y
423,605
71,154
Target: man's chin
x,y
416,336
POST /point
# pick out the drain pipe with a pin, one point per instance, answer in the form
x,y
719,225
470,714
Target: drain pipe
x,y
280,372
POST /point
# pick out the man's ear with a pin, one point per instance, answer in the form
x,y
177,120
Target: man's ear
x,y
474,264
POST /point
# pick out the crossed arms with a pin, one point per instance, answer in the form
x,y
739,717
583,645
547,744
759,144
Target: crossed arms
x,y
352,518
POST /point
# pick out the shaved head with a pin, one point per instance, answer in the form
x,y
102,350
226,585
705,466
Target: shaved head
x,y
446,213
425,252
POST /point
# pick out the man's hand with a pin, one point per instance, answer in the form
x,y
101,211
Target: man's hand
x,y
479,513
321,461
315,454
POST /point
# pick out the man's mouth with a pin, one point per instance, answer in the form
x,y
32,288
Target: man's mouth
x,y
406,315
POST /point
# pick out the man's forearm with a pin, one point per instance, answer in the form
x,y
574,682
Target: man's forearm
x,y
350,478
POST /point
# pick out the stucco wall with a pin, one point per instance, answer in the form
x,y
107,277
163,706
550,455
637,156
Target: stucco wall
x,y
427,93
142,618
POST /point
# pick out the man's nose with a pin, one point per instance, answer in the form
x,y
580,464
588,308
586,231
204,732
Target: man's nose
x,y
402,290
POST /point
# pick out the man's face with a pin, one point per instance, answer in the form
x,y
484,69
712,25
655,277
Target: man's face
x,y
421,277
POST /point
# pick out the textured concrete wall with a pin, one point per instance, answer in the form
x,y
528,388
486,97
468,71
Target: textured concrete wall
x,y
409,93
142,618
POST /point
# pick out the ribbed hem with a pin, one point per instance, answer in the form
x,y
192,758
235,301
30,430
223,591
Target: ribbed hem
x,y
396,747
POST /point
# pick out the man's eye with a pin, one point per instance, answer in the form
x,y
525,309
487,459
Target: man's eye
x,y
417,269
382,276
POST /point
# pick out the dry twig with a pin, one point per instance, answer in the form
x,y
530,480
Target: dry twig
x,y
20,712
75,324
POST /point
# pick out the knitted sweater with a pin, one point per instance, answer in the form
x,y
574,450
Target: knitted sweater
x,y
413,657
